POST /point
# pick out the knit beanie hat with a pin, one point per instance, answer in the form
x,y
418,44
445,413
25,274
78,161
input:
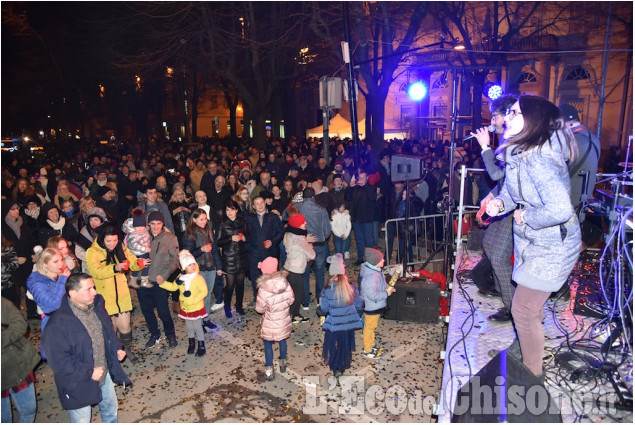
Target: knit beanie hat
x,y
103,190
186,258
156,216
97,212
296,221
268,265
337,264
373,256
138,218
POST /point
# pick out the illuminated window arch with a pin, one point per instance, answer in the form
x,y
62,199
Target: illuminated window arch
x,y
577,73
440,84
527,77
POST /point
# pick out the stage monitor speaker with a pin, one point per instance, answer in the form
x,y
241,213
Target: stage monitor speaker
x,y
404,167
415,301
483,274
505,391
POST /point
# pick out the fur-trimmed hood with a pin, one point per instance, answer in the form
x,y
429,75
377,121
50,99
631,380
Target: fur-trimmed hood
x,y
274,282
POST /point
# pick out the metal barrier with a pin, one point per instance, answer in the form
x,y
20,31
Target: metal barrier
x,y
426,235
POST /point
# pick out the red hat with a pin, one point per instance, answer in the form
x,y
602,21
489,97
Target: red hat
x,y
296,220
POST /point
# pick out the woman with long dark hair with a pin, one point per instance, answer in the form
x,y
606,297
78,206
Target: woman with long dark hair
x,y
107,260
199,240
233,237
547,235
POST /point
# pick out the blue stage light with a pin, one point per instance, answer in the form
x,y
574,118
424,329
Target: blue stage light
x,y
494,91
417,91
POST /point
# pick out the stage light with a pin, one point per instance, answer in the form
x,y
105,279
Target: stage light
x,y
493,91
417,91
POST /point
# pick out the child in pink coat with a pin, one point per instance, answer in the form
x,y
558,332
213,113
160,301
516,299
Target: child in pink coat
x,y
275,296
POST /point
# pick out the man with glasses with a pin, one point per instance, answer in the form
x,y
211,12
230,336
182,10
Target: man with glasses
x,y
498,242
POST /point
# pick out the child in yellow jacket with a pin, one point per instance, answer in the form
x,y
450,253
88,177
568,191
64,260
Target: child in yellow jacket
x,y
193,290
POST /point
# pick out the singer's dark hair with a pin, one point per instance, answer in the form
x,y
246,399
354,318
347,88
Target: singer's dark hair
x,y
502,104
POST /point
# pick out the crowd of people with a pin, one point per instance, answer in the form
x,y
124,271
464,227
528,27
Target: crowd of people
x,y
187,225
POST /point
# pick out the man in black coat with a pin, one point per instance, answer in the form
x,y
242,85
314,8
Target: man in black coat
x,y
265,231
84,352
362,197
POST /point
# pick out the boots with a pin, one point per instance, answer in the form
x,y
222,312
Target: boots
x,y
132,282
145,282
283,365
228,311
269,373
191,345
126,340
209,325
201,349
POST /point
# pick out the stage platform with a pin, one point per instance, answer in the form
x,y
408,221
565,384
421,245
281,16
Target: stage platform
x,y
471,335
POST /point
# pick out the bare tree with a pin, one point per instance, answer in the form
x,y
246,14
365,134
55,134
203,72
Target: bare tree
x,y
490,30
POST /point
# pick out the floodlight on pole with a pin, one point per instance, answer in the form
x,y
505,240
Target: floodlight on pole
x,y
417,91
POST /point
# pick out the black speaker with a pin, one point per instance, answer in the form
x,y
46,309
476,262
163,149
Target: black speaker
x,y
415,301
483,274
505,391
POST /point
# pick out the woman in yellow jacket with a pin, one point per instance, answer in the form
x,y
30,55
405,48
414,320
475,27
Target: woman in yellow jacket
x,y
107,259
193,290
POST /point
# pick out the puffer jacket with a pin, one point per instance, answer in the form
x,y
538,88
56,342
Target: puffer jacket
x,y
339,315
341,224
113,286
299,251
234,253
198,292
275,296
206,260
373,288
18,355
47,293
137,242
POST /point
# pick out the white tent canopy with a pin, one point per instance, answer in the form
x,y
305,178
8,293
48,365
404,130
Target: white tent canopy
x,y
341,127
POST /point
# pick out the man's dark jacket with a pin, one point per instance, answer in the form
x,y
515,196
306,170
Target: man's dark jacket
x,y
70,354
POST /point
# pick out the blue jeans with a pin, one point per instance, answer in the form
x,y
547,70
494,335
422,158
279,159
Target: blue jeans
x,y
107,406
319,265
210,280
269,351
151,298
339,245
363,237
375,233
283,253
25,403
218,289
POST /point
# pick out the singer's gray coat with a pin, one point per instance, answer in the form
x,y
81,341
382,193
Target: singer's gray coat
x,y
546,247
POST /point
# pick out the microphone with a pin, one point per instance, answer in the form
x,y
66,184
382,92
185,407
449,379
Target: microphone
x,y
491,129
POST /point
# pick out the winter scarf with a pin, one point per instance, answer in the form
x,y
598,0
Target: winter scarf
x,y
15,225
296,231
57,226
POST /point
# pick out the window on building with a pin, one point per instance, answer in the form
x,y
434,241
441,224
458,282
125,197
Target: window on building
x,y
406,113
577,73
440,84
527,77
